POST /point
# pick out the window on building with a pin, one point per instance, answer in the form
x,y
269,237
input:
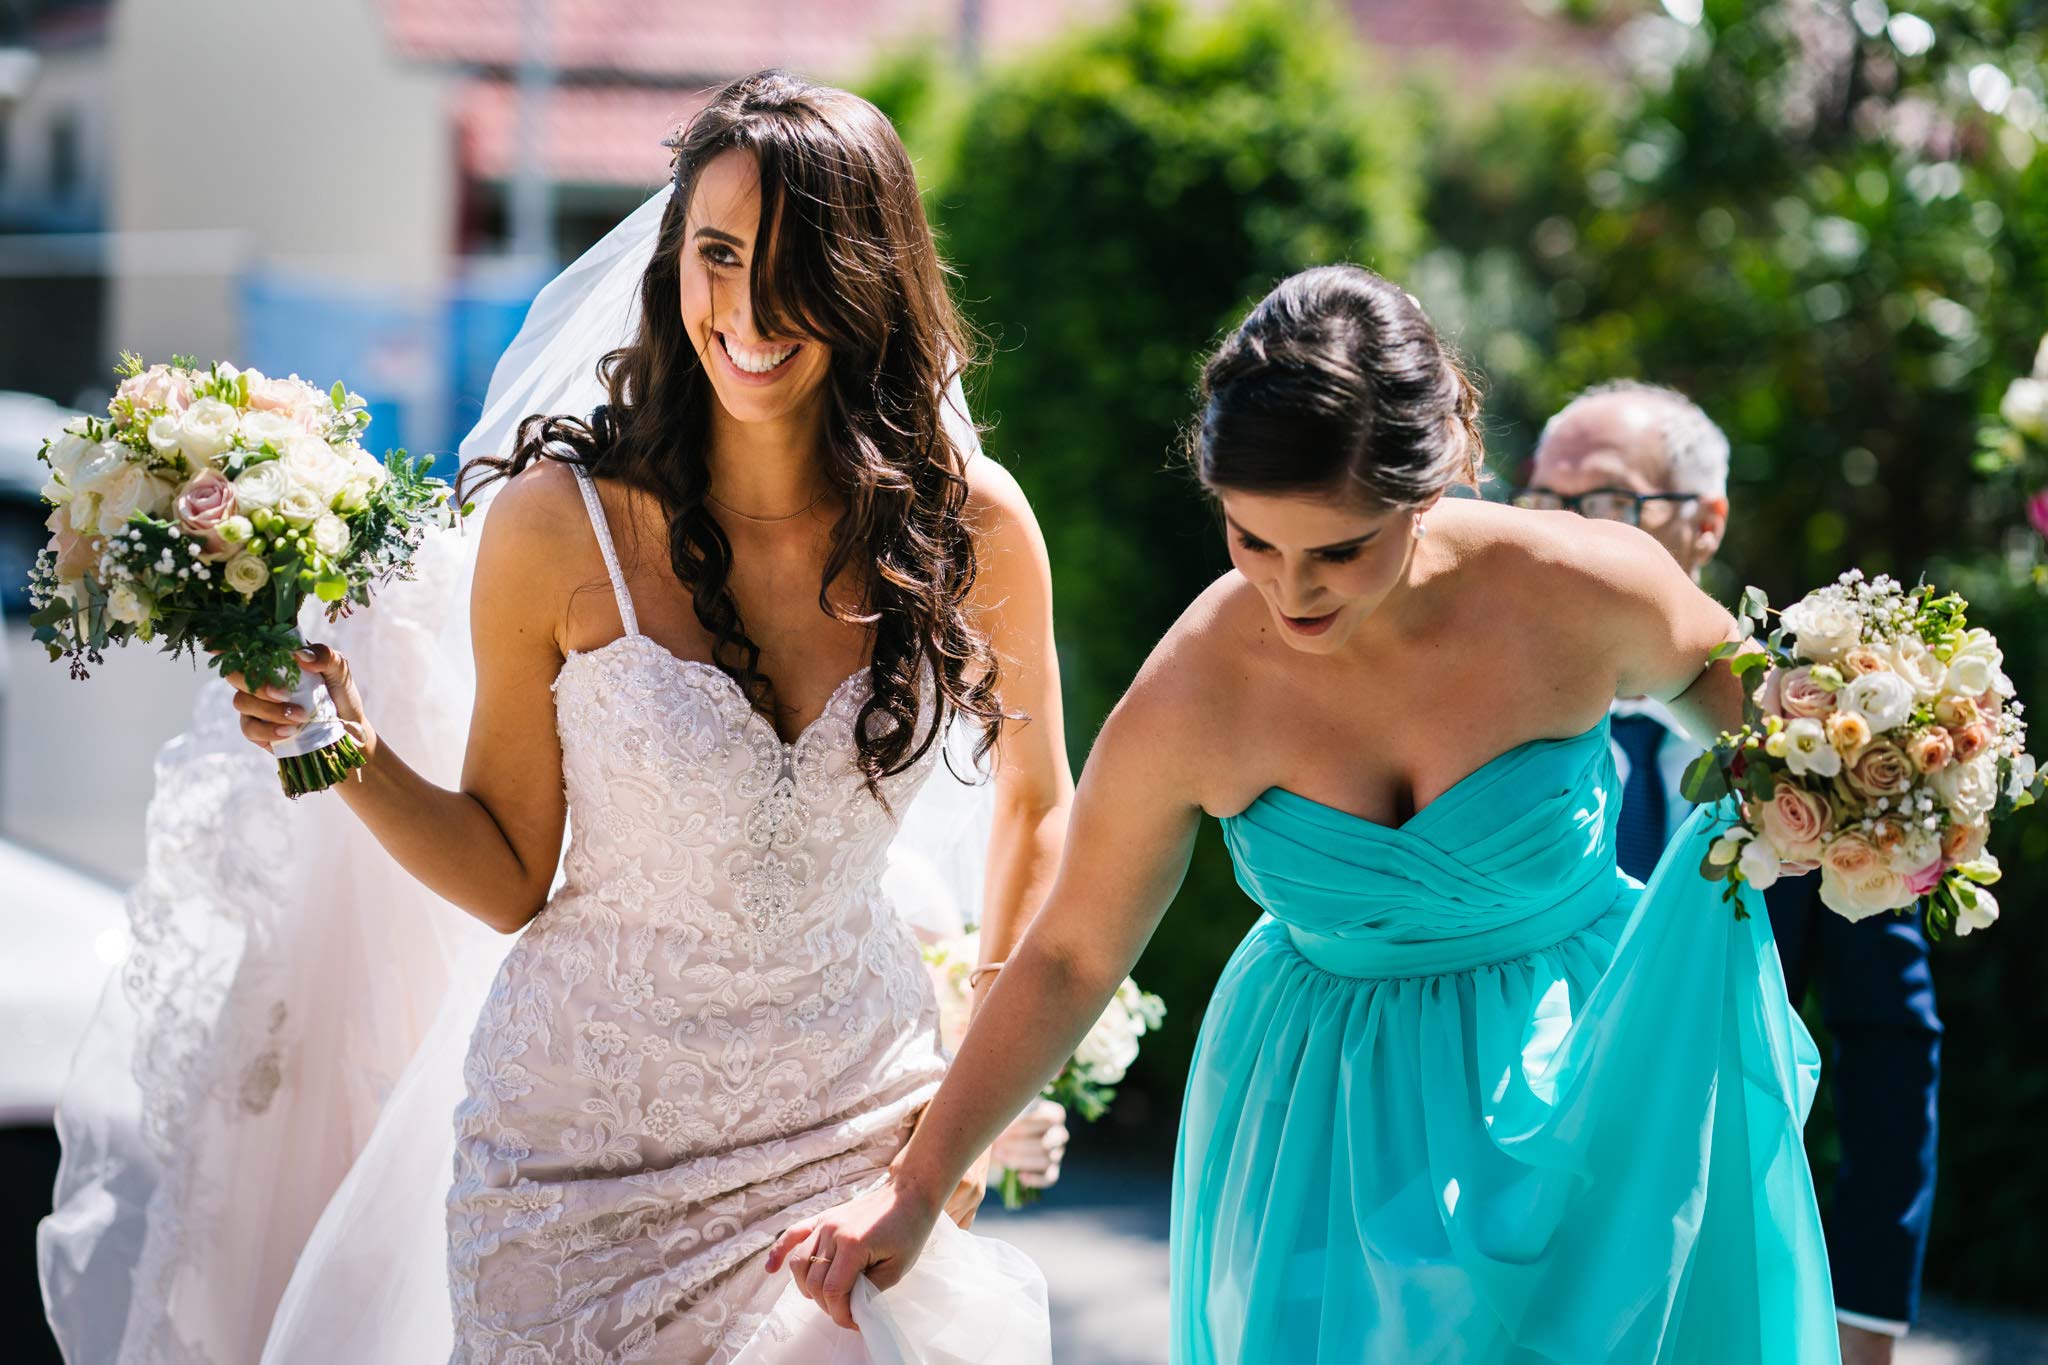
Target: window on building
x,y
65,170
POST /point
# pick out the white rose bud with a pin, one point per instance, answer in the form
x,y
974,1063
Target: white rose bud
x,y
1982,915
207,428
301,506
127,606
1824,627
2025,407
1760,864
165,433
261,485
1726,849
330,535
246,573
236,529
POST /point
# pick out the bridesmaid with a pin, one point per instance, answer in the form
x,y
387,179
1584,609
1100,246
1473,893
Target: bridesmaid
x,y
1466,1092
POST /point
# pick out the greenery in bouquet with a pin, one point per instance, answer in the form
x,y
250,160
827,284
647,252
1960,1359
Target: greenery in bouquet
x,y
1879,746
204,509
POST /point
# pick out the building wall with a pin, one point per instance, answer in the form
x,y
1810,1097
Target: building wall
x,y
66,104
280,138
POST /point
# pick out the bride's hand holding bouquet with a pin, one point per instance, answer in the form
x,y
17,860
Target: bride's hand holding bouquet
x,y
202,513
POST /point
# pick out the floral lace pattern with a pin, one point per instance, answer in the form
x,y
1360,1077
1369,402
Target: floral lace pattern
x,y
717,1026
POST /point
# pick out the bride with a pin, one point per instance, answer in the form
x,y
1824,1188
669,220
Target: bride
x,y
724,629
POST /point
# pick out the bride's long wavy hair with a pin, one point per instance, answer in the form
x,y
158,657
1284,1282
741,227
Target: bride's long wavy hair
x,y
843,255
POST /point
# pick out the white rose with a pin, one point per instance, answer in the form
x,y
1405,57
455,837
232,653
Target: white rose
x,y
207,428
164,434
1807,750
245,573
128,490
1885,700
261,485
2025,406
1917,664
330,535
1825,627
1969,790
301,505
1759,864
68,450
312,464
126,605
274,427
1982,915
1977,664
1110,1047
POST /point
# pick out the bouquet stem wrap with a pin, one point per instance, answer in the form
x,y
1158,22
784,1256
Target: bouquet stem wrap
x,y
322,752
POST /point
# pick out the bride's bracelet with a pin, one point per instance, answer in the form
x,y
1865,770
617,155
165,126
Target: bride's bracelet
x,y
985,969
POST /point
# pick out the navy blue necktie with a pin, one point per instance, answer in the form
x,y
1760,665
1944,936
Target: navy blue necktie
x,y
1639,839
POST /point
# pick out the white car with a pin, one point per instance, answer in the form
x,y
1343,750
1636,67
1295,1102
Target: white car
x,y
26,421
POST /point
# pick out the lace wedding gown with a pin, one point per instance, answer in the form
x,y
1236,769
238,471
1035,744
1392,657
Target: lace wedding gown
x,y
716,1027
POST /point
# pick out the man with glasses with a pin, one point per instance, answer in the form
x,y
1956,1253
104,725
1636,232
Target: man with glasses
x,y
1648,456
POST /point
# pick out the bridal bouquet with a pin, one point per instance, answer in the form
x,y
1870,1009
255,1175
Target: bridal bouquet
x,y
1085,1084
203,510
1880,744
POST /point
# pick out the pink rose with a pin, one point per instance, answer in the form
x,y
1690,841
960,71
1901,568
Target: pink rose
x,y
1972,739
2037,511
1767,695
1955,712
76,554
1962,844
1864,659
1931,750
275,395
204,504
1794,819
1856,878
1882,769
1802,698
1922,880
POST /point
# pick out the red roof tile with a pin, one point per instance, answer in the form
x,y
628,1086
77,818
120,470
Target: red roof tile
x,y
698,39
594,135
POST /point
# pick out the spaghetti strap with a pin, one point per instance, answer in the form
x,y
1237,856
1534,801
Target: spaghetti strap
x,y
604,543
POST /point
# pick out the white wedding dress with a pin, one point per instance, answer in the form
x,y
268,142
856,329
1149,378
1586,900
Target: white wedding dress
x,y
258,1143
718,1026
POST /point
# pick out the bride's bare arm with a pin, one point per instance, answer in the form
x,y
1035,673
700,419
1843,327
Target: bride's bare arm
x,y
1034,785
490,846
1135,819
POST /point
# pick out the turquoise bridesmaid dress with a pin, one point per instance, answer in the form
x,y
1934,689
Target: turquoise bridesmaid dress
x,y
1468,1093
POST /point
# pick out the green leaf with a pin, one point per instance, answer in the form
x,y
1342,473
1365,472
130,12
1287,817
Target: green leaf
x,y
1704,780
1754,604
1746,664
339,393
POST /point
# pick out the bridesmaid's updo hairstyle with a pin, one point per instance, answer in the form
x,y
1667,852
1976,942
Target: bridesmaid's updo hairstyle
x,y
1337,384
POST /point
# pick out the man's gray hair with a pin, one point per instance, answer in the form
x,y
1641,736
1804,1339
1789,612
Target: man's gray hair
x,y
1696,448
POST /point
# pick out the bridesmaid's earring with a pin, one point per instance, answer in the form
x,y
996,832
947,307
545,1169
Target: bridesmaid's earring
x,y
1420,529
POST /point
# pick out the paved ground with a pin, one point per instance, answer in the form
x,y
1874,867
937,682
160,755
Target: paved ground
x,y
75,773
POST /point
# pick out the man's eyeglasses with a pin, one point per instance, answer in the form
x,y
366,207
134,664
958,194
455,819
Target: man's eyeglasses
x,y
1602,504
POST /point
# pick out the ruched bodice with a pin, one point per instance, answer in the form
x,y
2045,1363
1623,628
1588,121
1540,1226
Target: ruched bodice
x,y
1516,856
1466,1093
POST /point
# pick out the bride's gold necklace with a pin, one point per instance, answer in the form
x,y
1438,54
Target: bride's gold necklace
x,y
724,506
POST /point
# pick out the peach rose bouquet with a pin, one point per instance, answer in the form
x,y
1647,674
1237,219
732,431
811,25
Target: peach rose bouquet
x,y
1879,745
204,510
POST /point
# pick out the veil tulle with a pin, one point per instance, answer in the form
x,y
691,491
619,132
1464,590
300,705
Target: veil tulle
x,y
257,1130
